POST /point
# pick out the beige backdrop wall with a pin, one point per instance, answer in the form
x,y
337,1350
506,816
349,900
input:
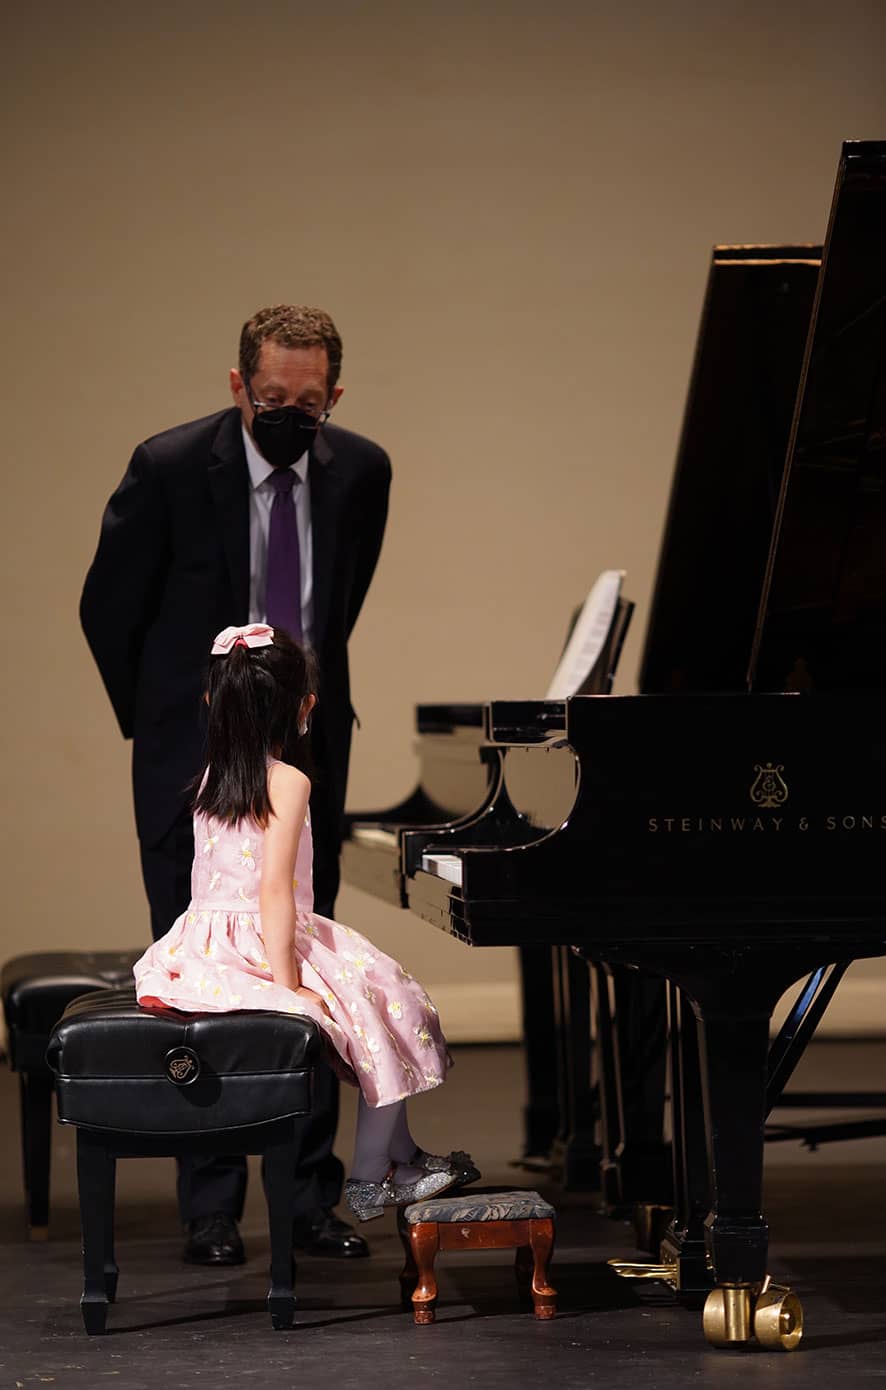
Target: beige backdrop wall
x,y
507,207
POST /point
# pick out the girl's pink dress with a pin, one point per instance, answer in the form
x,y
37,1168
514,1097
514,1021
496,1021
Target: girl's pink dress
x,y
383,1026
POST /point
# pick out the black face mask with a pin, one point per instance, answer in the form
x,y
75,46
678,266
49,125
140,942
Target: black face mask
x,y
283,435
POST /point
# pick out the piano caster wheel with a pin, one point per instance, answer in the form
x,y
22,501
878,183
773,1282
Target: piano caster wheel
x,y
778,1319
733,1313
726,1318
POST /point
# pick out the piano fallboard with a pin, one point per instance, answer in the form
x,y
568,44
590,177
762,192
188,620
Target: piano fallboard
x,y
697,819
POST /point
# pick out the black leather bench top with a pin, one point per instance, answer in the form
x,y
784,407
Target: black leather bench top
x,y
28,982
36,990
158,1071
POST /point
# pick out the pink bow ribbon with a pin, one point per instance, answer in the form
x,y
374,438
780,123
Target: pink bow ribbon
x,y
255,635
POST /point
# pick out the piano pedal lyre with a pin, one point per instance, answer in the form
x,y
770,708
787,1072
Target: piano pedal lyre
x,y
734,1313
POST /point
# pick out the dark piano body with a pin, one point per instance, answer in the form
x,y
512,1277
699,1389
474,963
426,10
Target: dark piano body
x,y
731,842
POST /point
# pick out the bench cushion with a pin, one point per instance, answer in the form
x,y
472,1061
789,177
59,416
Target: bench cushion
x,y
517,1205
37,989
157,1071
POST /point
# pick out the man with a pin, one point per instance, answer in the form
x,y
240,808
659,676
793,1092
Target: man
x,y
261,512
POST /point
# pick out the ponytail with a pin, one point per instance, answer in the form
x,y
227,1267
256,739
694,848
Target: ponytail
x,y
254,696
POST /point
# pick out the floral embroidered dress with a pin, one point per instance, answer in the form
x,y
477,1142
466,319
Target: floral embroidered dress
x,y
383,1026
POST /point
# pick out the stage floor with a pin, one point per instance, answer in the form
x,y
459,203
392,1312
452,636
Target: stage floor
x,y
189,1328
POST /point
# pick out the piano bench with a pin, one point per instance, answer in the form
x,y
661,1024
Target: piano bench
x,y
36,991
140,1083
520,1221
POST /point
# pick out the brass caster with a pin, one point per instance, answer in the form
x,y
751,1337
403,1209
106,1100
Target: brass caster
x,y
726,1318
778,1319
633,1269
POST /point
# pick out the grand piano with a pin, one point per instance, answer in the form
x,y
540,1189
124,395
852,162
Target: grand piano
x,y
728,843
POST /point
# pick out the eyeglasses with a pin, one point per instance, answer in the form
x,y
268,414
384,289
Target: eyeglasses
x,y
274,414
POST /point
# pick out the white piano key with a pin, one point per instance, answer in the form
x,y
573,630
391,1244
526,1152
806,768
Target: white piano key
x,y
446,866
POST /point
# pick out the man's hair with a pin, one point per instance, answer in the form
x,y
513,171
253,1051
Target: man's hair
x,y
293,326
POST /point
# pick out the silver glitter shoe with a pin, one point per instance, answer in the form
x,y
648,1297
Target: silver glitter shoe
x,y
458,1161
367,1200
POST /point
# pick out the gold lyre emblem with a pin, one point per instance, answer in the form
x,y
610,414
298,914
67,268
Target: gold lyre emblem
x,y
769,789
182,1065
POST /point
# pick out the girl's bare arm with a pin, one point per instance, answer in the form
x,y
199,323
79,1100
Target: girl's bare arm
x,y
289,791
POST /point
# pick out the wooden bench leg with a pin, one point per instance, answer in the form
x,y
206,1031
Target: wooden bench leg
x,y
278,1171
524,1265
96,1180
112,1273
541,1241
409,1272
35,1092
425,1242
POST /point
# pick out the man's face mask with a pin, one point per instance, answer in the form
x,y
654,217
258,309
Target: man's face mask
x,y
283,433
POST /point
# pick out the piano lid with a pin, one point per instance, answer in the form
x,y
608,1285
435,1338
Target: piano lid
x,y
754,323
821,623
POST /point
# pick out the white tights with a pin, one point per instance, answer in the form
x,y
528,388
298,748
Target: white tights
x,y
383,1139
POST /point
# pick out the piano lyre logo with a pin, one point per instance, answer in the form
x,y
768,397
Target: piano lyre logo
x,y
182,1065
769,788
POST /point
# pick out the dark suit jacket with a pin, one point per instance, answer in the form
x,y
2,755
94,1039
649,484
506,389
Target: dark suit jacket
x,y
172,569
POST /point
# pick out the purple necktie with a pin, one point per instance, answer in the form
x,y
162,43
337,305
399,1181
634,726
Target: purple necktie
x,y
283,593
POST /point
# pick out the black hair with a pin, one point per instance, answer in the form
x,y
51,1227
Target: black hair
x,y
254,696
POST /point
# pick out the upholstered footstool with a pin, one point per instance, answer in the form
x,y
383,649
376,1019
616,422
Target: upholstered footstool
x,y
36,991
520,1221
154,1082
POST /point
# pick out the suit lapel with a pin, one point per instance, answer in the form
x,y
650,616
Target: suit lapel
x,y
325,507
229,487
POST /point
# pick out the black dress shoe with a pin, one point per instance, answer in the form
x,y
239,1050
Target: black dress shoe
x,y
331,1237
213,1240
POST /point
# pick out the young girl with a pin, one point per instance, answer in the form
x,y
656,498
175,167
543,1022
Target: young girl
x,y
250,939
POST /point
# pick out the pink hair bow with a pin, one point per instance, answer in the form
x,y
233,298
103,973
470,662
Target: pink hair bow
x,y
255,635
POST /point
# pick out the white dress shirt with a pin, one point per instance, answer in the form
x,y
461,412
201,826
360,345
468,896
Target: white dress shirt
x,y
261,497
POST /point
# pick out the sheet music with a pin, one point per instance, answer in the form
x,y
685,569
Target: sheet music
x,y
588,636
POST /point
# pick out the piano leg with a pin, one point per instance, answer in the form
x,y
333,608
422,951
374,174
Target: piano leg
x,y
683,1251
577,1149
541,1114
631,1067
607,1069
720,1005
733,1004
733,1074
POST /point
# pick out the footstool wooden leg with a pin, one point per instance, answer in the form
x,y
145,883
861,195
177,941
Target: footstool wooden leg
x,y
523,1269
541,1240
95,1175
280,1161
424,1239
409,1272
35,1091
